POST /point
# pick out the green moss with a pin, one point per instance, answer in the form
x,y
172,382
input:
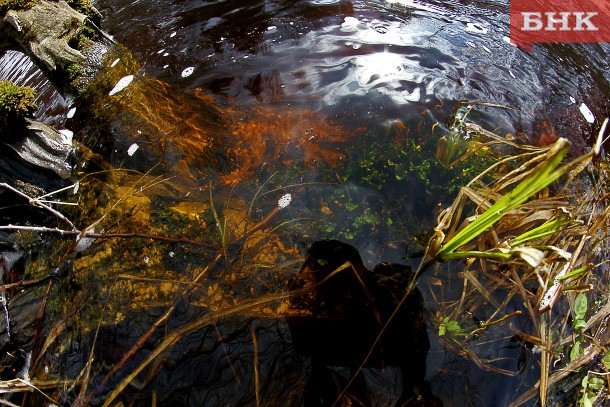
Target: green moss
x,y
82,6
16,102
6,5
72,71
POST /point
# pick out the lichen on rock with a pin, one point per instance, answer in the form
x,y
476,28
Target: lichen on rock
x,y
55,36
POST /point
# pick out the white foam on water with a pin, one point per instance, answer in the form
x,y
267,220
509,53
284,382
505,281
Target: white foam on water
x,y
415,5
587,113
476,28
121,84
187,71
83,243
132,149
350,22
284,201
66,136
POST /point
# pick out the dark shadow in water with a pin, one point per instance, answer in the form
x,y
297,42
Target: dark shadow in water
x,y
305,359
345,315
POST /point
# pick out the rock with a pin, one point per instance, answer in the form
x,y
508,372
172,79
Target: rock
x,y
43,147
44,32
15,343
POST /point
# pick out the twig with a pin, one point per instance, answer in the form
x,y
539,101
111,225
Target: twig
x,y
7,403
153,237
173,337
82,395
94,235
41,229
26,283
36,202
20,385
226,352
23,386
256,378
140,343
586,357
77,304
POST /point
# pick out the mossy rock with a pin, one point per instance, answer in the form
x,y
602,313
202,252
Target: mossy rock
x,y
16,103
6,5
82,6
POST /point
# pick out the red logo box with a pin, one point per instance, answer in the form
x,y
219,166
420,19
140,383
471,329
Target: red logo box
x,y
534,21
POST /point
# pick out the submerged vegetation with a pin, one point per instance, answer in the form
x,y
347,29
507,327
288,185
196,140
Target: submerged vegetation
x,y
175,248
527,251
528,246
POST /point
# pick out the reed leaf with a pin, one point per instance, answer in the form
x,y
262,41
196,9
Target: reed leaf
x,y
539,178
546,229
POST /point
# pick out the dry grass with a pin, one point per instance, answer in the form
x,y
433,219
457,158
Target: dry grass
x,y
522,264
513,272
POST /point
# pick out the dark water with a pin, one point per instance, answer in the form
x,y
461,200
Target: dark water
x,y
395,58
316,83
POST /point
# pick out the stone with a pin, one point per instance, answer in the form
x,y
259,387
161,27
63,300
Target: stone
x,y
44,32
44,147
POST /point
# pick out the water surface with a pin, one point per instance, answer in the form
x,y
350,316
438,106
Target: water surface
x,y
236,104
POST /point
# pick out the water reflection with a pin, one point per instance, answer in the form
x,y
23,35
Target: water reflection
x,y
300,353
19,69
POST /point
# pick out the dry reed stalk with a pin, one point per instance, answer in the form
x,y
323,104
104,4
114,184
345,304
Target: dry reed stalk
x,y
256,378
565,244
243,308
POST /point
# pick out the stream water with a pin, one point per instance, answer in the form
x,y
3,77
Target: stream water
x,y
335,109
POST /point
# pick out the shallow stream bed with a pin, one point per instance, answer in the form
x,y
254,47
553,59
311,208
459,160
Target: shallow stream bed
x,y
252,129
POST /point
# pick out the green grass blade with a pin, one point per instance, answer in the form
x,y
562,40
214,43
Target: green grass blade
x,y
544,230
541,177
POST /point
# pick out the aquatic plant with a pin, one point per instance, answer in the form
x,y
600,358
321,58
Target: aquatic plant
x,y
72,71
380,162
460,139
525,249
16,103
539,178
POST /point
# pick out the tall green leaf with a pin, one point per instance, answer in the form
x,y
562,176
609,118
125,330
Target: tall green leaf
x,y
542,176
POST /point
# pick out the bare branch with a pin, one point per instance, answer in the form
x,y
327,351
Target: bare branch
x,y
40,204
